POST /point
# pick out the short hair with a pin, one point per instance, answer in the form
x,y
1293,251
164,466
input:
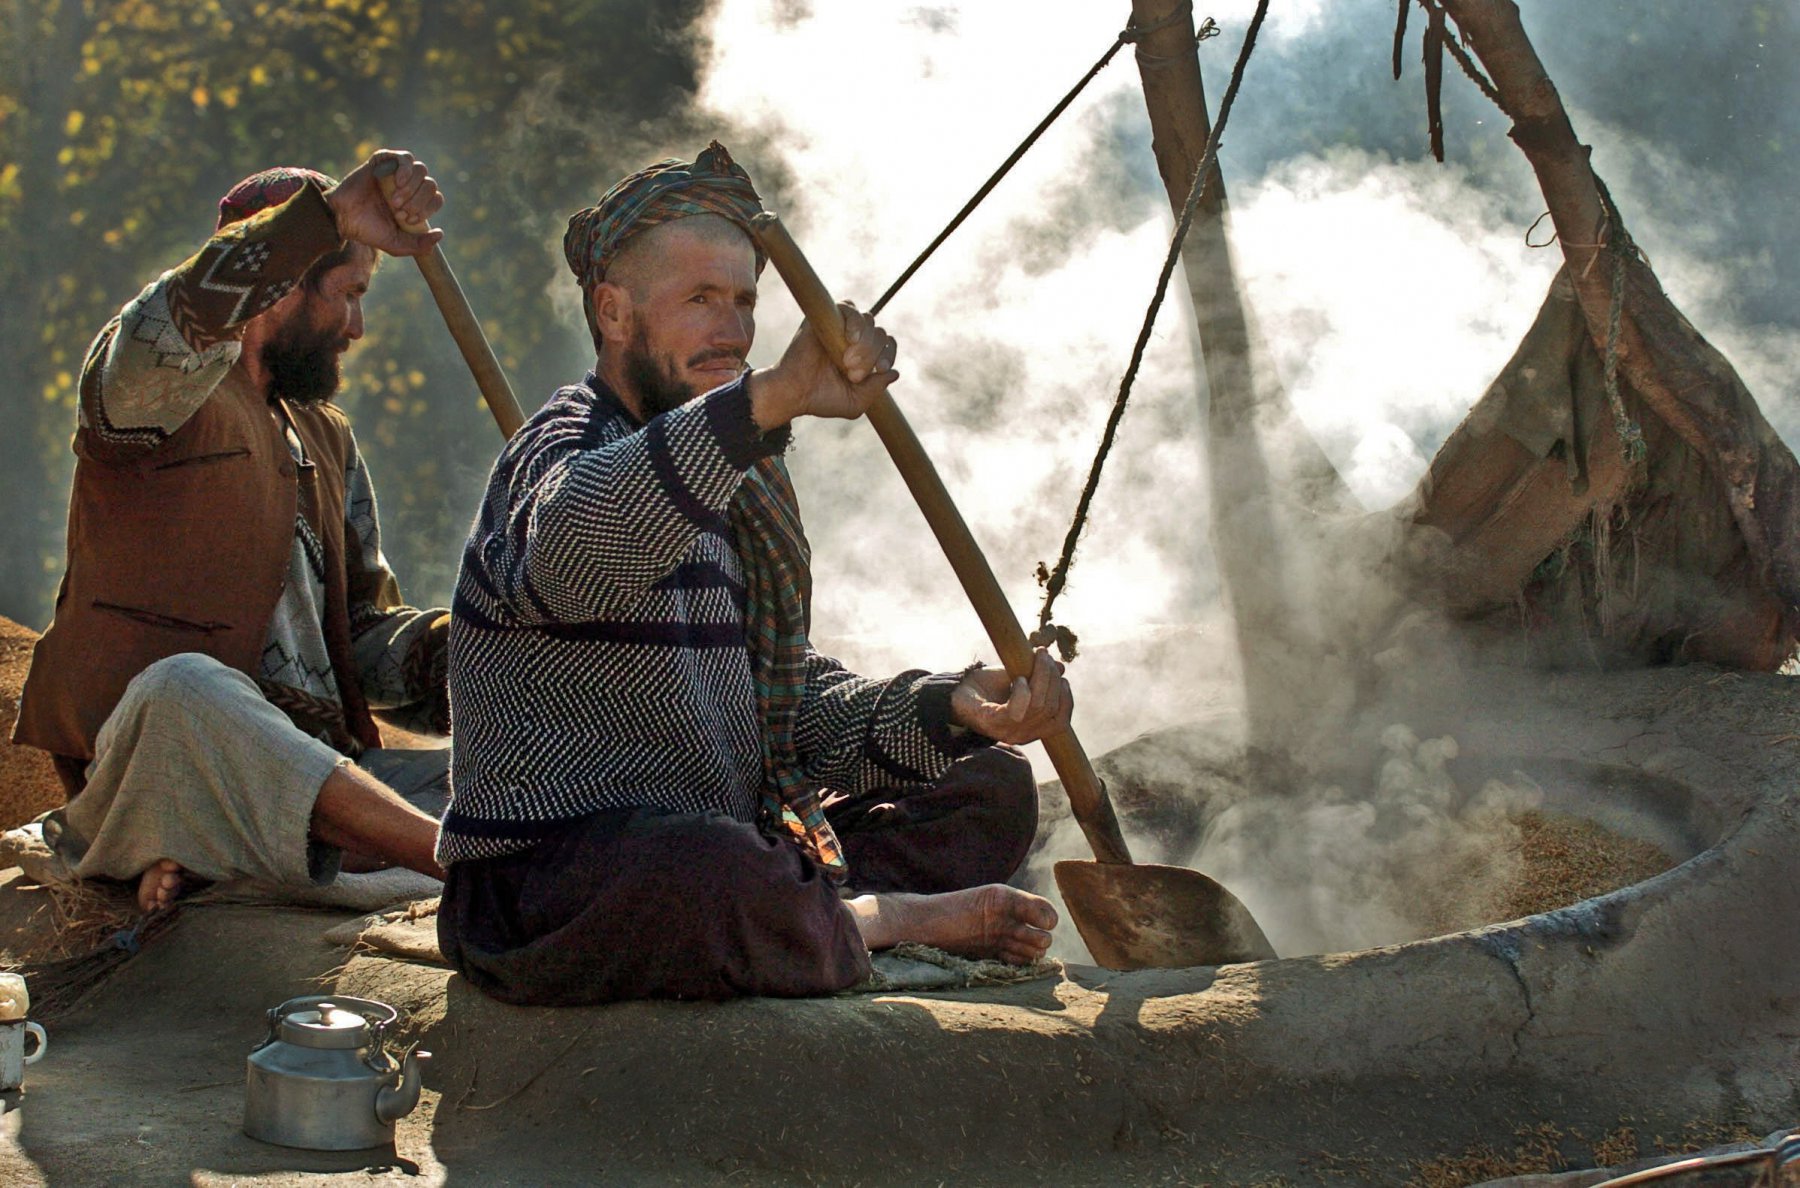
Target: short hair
x,y
634,265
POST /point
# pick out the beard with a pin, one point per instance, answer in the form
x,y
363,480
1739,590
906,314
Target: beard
x,y
302,361
655,379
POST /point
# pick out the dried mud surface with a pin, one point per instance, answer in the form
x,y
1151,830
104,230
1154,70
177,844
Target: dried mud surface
x,y
1562,1042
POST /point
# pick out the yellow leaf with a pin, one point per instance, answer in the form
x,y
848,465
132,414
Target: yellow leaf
x,y
200,96
416,378
72,125
259,75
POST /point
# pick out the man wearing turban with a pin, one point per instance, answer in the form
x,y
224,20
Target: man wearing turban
x,y
227,620
659,787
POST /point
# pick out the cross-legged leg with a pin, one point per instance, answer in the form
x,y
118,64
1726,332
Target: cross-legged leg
x,y
643,903
972,827
195,773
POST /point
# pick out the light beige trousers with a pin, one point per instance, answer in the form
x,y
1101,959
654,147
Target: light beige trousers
x,y
194,765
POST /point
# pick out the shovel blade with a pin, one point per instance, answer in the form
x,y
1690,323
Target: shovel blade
x,y
1143,916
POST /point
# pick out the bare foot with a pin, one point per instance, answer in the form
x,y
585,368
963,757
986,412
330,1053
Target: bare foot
x,y
159,886
991,921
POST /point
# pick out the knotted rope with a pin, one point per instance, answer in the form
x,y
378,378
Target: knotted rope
x,y
1054,580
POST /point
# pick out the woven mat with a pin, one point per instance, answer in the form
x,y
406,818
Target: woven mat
x,y
920,967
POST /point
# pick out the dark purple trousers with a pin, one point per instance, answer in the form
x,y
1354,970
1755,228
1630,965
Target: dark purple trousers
x,y
644,903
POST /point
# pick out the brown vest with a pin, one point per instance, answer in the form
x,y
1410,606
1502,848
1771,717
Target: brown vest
x,y
186,550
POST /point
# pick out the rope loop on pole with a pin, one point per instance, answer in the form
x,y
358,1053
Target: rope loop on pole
x,y
1132,34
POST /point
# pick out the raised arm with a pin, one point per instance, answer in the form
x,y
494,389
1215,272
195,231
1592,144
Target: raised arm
x,y
584,513
161,357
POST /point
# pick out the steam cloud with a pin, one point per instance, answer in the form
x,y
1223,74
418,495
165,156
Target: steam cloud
x,y
1387,290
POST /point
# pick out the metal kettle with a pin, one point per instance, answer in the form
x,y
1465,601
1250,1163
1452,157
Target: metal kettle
x,y
323,1078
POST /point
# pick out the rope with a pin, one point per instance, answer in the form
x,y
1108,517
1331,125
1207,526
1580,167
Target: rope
x,y
1208,29
1616,240
1055,580
1454,45
1437,40
1181,12
1005,168
1129,35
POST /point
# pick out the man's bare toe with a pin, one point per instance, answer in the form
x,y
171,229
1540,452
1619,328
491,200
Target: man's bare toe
x,y
1014,925
159,886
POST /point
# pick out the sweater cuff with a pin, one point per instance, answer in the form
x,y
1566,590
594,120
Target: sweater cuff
x,y
933,699
307,217
740,438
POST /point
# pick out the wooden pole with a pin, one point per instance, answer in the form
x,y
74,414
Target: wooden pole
x,y
464,327
1262,548
1087,796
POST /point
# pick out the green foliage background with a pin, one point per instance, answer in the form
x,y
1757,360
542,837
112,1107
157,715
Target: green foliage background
x,y
122,121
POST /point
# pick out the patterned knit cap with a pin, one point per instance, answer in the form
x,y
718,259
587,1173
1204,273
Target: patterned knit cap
x,y
711,184
269,188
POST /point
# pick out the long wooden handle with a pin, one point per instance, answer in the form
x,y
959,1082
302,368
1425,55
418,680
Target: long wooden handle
x,y
460,320
1087,796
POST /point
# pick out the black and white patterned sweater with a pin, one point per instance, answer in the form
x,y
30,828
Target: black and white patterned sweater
x,y
598,656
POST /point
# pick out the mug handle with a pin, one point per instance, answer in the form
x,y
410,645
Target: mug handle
x,y
43,1043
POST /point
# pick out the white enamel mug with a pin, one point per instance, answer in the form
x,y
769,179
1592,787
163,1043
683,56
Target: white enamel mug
x,y
12,1051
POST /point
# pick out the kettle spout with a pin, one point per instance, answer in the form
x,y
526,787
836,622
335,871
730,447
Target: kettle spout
x,y
397,1100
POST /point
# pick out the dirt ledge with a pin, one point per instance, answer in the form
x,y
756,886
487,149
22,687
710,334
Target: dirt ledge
x,y
1667,1005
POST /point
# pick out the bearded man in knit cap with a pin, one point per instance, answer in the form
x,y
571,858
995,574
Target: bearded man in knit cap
x,y
227,620
658,787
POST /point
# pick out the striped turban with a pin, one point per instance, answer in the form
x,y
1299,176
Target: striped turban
x,y
269,188
711,184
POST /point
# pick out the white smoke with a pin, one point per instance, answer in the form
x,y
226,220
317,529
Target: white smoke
x,y
1387,293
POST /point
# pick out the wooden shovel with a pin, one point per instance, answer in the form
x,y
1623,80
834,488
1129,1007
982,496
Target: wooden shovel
x,y
460,320
1132,916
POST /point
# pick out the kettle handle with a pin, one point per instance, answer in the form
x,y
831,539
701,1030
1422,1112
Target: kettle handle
x,y
381,1018
274,1020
